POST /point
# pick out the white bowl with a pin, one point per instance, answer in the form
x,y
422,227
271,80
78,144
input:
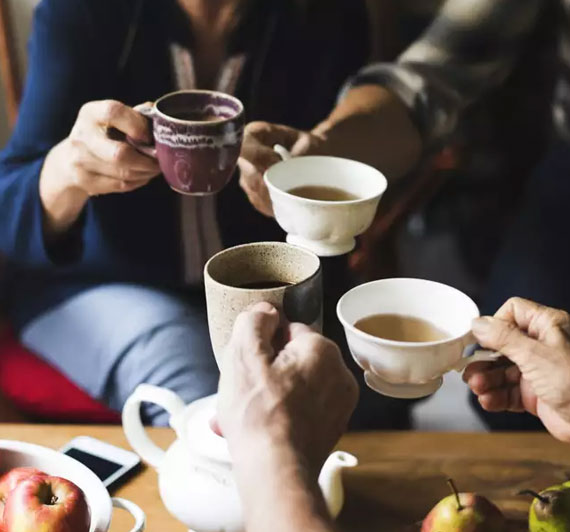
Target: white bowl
x,y
326,228
18,454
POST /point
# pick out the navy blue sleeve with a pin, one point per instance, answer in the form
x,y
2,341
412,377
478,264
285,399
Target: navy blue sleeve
x,y
61,78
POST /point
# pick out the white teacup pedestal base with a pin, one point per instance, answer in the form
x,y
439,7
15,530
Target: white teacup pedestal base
x,y
418,390
404,390
323,248
410,370
327,228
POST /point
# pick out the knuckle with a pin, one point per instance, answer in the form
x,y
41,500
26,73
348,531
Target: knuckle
x,y
110,110
124,173
120,153
257,347
318,345
561,317
243,321
244,181
85,109
76,152
256,126
81,176
515,301
504,334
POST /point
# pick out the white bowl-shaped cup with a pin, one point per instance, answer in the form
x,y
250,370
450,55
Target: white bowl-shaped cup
x,y
19,454
410,369
326,228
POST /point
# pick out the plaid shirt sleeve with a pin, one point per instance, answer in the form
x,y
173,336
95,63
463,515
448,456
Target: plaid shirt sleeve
x,y
469,48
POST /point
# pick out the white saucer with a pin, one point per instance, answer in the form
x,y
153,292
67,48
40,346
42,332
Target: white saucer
x,y
402,391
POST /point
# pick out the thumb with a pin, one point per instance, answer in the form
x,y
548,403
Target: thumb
x,y
506,338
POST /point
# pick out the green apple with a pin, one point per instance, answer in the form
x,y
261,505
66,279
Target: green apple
x,y
464,512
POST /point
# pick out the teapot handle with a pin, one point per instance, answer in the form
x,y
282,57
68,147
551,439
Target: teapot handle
x,y
132,423
134,510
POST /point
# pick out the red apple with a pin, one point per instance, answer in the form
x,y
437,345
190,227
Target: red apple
x,y
11,479
46,504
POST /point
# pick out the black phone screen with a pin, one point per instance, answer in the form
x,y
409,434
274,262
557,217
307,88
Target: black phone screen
x,y
102,467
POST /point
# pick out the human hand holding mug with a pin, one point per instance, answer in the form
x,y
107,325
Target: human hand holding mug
x,y
91,163
536,340
291,392
257,156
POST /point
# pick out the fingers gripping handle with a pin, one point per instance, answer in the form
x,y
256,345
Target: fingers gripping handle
x,y
132,423
149,111
478,356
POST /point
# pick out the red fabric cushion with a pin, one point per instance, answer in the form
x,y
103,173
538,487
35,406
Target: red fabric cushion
x,y
39,390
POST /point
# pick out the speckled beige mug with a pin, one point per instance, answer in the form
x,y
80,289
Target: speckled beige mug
x,y
230,274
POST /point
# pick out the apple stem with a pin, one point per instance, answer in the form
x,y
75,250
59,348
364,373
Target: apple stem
x,y
53,500
538,496
453,488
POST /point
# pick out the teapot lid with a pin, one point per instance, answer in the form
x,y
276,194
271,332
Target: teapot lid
x,y
200,437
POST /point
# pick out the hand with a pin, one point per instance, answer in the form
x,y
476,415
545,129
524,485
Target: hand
x,y
536,339
90,163
257,155
296,395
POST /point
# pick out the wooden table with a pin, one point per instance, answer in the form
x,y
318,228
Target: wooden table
x,y
400,477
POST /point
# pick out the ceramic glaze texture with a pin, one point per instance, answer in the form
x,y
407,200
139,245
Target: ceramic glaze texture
x,y
325,227
196,475
227,271
198,137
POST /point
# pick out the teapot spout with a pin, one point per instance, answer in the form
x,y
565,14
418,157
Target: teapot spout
x,y
330,479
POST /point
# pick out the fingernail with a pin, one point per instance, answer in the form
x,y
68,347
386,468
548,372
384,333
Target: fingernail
x,y
482,325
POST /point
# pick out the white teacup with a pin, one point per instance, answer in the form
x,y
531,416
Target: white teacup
x,y
326,228
410,369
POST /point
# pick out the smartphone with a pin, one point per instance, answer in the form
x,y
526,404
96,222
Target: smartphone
x,y
111,464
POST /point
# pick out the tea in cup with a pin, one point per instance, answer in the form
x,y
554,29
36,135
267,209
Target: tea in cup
x,y
197,139
286,276
407,333
324,202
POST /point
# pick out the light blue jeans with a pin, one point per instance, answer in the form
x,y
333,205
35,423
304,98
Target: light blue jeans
x,y
111,338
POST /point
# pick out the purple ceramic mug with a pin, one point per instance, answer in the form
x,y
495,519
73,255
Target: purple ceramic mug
x,y
197,139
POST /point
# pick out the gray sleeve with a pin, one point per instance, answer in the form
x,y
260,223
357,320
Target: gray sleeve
x,y
469,48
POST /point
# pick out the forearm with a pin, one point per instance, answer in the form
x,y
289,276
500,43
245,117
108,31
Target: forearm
x,y
62,203
372,125
278,493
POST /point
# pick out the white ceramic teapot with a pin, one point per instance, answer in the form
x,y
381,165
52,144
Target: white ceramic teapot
x,y
195,474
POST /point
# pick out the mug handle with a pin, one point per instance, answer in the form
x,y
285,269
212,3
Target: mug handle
x,y
148,111
132,423
282,151
480,355
134,510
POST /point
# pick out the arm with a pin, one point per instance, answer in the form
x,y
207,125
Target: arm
x,y
270,478
282,408
469,48
389,114
47,174
59,80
